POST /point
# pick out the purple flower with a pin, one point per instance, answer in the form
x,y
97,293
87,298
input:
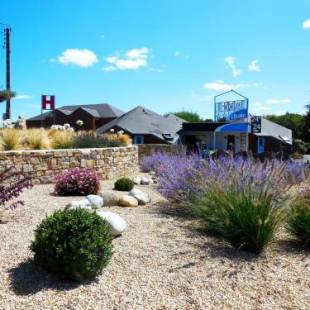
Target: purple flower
x,y
183,178
12,183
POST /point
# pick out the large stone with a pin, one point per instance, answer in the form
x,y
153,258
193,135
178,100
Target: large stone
x,y
110,198
143,198
116,223
128,201
137,180
76,204
96,201
145,181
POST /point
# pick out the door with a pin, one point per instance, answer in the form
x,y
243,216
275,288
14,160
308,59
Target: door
x,y
260,145
231,143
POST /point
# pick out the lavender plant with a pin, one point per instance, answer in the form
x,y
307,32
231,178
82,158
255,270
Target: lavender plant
x,y
243,200
183,178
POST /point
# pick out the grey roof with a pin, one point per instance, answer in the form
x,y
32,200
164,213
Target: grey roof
x,y
275,130
100,110
144,121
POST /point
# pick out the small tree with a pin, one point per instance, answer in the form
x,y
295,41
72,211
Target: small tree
x,y
5,95
189,116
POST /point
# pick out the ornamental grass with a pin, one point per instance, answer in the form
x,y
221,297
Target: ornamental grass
x,y
242,200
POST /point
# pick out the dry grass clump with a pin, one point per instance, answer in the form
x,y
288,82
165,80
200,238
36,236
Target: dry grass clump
x,y
122,138
61,139
10,139
125,139
36,139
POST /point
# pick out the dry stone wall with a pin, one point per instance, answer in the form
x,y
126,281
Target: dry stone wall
x,y
43,165
148,149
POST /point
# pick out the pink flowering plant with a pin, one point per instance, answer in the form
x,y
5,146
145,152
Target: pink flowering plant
x,y
76,182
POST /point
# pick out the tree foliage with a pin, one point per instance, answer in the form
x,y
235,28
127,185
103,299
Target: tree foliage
x,y
5,95
293,121
189,116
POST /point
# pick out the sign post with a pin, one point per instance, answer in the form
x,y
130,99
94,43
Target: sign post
x,y
47,104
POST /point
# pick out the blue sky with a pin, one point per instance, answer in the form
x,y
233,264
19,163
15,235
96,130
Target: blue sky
x,y
166,55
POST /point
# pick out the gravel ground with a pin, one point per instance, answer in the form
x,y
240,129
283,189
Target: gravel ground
x,y
160,262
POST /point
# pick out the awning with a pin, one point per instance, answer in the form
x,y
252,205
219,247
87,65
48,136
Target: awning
x,y
234,127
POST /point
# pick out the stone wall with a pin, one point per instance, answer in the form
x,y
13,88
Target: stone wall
x,y
148,149
43,165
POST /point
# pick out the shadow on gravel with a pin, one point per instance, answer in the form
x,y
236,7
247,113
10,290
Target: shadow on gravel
x,y
167,209
293,246
28,279
220,249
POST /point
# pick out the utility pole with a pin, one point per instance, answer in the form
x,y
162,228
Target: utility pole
x,y
7,32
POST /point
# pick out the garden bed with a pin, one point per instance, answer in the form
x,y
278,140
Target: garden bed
x,y
160,262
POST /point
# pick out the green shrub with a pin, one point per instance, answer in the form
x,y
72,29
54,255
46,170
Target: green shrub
x,y
248,220
124,184
90,140
75,244
299,219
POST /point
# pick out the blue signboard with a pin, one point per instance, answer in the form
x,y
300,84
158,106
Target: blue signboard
x,y
230,110
243,113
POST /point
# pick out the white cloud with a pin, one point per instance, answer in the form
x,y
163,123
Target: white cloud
x,y
231,62
22,97
276,101
221,86
268,105
78,57
131,60
254,66
306,24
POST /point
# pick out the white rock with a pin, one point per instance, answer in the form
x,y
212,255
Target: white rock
x,y
82,204
95,201
128,201
110,198
137,180
145,181
117,223
135,191
143,198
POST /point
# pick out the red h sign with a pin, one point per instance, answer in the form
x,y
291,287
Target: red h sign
x,y
48,102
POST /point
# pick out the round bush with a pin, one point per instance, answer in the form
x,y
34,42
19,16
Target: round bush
x,y
299,220
77,181
124,184
75,244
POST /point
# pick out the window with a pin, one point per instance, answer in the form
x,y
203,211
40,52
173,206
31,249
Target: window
x,y
138,139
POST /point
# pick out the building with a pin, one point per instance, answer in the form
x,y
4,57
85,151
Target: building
x,y
92,115
146,127
237,137
235,130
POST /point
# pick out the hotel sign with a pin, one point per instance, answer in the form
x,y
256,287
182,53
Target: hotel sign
x,y
231,110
